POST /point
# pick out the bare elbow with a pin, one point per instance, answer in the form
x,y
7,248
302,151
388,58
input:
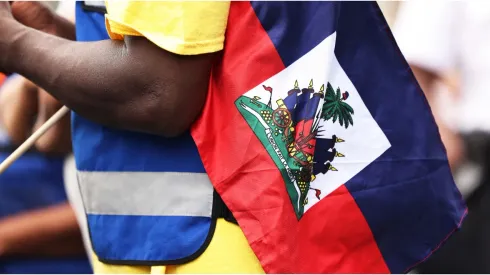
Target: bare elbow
x,y
172,93
171,113
172,123
178,119
173,131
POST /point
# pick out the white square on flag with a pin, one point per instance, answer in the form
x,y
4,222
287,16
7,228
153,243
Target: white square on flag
x,y
360,143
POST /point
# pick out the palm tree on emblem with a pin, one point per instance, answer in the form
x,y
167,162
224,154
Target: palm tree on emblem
x,y
335,107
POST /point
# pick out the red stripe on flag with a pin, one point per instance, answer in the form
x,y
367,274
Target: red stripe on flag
x,y
331,237
336,227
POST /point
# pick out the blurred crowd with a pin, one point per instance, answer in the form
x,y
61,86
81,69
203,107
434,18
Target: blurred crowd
x,y
39,230
446,45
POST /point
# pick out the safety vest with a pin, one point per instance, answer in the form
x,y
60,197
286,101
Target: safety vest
x,y
147,198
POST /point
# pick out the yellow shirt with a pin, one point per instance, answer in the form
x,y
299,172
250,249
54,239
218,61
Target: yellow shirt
x,y
181,27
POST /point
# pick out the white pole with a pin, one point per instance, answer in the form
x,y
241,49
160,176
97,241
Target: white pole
x,y
32,139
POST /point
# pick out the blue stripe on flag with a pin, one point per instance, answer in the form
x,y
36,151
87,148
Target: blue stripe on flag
x,y
147,238
296,27
407,195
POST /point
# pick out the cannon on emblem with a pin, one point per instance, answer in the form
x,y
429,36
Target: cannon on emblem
x,y
281,116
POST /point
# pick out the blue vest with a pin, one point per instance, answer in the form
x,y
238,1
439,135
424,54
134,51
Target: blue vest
x,y
148,199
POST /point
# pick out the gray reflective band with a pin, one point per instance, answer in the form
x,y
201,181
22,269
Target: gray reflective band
x,y
97,4
146,193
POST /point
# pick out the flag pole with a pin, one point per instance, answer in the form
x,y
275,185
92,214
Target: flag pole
x,y
32,139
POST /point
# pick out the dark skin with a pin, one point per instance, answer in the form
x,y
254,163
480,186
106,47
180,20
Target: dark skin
x,y
132,84
51,231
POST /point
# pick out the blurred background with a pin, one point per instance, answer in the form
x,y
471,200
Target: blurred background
x,y
447,45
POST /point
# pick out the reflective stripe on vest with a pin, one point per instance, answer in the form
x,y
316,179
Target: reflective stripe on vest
x,y
146,193
147,198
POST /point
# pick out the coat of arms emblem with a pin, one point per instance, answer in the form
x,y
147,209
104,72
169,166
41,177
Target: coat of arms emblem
x,y
290,134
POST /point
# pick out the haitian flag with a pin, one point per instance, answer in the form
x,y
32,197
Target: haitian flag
x,y
320,141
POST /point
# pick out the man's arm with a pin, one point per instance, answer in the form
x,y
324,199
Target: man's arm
x,y
24,108
47,231
40,17
131,84
18,108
